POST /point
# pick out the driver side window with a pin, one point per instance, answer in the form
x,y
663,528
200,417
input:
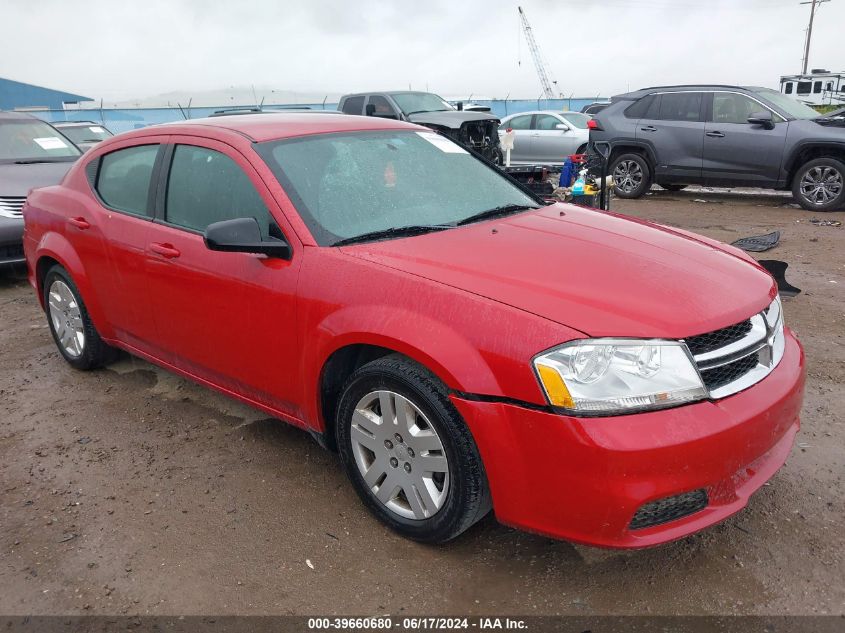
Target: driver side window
x,y
206,186
545,122
729,107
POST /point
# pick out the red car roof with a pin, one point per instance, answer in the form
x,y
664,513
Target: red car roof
x,y
268,127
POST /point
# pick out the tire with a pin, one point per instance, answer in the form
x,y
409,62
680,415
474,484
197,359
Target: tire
x,y
819,185
639,181
670,187
397,459
77,339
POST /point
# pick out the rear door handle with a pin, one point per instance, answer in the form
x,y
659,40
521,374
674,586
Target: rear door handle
x,y
79,222
715,134
165,250
648,128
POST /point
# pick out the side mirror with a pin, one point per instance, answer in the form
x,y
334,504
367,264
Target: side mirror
x,y
762,118
243,235
562,126
370,110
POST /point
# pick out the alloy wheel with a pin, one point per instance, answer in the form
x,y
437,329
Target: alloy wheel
x,y
66,318
399,455
628,176
821,185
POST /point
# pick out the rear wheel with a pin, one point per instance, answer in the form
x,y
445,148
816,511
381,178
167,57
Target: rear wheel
x,y
819,185
631,176
74,333
671,187
408,453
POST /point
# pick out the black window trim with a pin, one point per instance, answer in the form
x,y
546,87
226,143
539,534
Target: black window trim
x,y
93,175
163,181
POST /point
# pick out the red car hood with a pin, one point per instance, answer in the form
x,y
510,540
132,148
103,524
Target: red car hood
x,y
602,274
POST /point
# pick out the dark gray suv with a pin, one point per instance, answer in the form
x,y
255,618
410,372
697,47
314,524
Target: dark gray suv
x,y
32,154
723,136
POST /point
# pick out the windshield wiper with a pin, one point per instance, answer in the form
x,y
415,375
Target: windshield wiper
x,y
34,161
397,231
504,209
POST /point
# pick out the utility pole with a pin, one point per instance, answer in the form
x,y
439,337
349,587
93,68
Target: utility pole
x,y
812,4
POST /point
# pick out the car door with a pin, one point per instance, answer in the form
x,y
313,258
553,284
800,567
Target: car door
x,y
739,152
521,126
227,318
124,181
673,127
550,144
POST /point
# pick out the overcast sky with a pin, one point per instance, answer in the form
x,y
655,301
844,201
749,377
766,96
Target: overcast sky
x,y
123,49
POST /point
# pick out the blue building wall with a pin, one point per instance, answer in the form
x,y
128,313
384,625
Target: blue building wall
x,y
14,94
124,120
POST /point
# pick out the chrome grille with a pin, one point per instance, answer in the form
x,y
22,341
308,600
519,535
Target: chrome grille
x,y
11,206
734,358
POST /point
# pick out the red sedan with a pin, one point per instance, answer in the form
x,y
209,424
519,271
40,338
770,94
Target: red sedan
x,y
463,347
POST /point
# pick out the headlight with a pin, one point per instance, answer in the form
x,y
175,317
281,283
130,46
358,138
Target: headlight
x,y
619,375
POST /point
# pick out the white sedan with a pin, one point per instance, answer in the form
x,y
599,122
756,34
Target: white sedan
x,y
546,137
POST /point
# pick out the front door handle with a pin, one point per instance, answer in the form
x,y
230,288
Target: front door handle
x,y
165,250
79,222
648,128
715,134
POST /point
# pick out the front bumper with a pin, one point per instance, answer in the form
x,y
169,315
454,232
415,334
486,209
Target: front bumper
x,y
11,241
583,479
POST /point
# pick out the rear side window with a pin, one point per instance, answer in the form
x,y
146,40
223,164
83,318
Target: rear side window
x,y
680,106
123,180
353,105
638,109
518,123
206,186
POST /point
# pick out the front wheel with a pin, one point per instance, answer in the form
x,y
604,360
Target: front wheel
x,y
819,185
71,326
631,176
408,453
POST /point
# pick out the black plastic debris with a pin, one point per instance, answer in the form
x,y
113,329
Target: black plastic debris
x,y
817,222
758,243
777,269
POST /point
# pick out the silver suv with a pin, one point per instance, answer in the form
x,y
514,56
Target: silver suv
x,y
32,154
723,136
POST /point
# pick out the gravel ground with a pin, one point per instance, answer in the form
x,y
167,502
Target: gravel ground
x,y
132,491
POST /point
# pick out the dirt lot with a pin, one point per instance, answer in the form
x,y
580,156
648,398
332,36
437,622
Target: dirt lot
x,y
129,490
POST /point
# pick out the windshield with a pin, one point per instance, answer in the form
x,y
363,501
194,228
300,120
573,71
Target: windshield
x,y
28,140
411,102
348,184
86,133
577,119
788,105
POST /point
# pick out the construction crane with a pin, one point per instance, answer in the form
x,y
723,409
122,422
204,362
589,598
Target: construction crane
x,y
542,73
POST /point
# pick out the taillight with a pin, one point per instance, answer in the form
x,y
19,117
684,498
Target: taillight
x,y
593,124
